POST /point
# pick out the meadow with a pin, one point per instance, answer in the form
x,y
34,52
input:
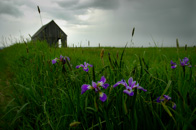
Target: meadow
x,y
41,92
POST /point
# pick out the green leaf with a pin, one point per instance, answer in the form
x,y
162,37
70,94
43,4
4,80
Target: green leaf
x,y
168,85
166,109
19,112
125,106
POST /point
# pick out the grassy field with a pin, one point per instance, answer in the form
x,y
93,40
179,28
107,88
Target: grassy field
x,y
36,94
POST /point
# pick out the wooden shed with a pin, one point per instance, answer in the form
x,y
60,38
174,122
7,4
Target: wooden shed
x,y
52,33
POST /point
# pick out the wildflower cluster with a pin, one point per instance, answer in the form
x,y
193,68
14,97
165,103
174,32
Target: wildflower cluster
x,y
173,64
166,98
130,86
183,62
62,59
96,87
85,66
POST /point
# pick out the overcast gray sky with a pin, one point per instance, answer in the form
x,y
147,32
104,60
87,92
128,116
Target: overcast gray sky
x,y
108,22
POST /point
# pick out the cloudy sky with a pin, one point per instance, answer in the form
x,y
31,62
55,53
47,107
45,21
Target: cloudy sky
x,y
108,22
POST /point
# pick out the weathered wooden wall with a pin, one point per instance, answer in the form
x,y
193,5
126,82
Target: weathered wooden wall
x,y
51,32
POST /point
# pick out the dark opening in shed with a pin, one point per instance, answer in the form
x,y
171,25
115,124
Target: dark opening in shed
x,y
52,33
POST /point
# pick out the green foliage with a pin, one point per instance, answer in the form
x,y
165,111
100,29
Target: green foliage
x,y
47,96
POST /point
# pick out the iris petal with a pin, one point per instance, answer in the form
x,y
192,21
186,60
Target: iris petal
x,y
85,69
105,85
102,96
115,85
133,84
78,66
94,84
103,79
85,87
174,106
90,65
119,82
53,61
167,97
68,58
139,87
159,99
129,91
130,81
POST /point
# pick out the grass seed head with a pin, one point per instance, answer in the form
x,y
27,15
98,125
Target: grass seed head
x,y
133,31
74,124
177,43
38,9
185,47
102,53
117,55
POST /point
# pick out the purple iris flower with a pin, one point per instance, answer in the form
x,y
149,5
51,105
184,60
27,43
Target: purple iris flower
x,y
166,98
68,58
96,87
184,61
54,61
85,66
174,106
129,88
63,59
102,82
173,64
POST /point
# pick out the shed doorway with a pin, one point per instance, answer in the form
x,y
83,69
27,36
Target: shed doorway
x,y
59,43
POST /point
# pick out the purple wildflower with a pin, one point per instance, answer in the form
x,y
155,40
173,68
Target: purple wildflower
x,y
174,106
96,87
85,66
129,91
54,61
102,82
63,59
85,87
129,88
184,61
173,64
102,96
166,98
68,58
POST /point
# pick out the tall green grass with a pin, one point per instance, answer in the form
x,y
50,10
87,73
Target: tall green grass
x,y
47,96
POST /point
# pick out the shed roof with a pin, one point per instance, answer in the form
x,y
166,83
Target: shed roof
x,y
45,26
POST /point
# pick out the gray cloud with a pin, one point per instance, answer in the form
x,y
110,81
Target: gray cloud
x,y
111,21
154,19
68,4
100,4
69,15
163,19
9,8
71,9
